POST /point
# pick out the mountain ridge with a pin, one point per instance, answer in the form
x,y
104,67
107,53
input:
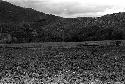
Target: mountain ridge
x,y
25,25
12,13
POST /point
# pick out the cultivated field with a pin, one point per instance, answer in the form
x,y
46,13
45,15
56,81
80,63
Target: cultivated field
x,y
62,63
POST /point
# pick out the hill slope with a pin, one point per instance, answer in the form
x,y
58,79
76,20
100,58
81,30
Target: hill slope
x,y
21,25
10,13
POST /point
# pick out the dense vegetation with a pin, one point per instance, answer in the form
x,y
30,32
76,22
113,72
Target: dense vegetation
x,y
61,64
24,25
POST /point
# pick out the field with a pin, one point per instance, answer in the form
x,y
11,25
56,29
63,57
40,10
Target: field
x,y
62,63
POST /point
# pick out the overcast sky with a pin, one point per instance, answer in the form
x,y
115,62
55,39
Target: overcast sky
x,y
74,8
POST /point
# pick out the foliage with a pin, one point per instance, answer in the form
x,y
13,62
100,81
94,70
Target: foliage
x,y
62,65
26,25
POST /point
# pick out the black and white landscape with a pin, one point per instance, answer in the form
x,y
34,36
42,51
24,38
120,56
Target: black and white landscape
x,y
25,25
41,48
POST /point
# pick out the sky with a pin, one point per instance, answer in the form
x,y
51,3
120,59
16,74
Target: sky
x,y
73,8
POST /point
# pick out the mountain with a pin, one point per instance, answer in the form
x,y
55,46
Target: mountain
x,y
10,13
25,25
107,27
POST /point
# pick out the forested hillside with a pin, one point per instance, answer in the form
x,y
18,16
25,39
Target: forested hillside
x,y
24,25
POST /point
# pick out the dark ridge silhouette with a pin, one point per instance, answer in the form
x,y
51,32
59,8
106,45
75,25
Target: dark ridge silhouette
x,y
26,25
10,13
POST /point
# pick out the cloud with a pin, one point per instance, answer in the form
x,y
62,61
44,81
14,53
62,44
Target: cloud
x,y
70,8
74,9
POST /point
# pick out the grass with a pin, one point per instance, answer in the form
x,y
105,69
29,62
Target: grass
x,y
58,63
60,78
